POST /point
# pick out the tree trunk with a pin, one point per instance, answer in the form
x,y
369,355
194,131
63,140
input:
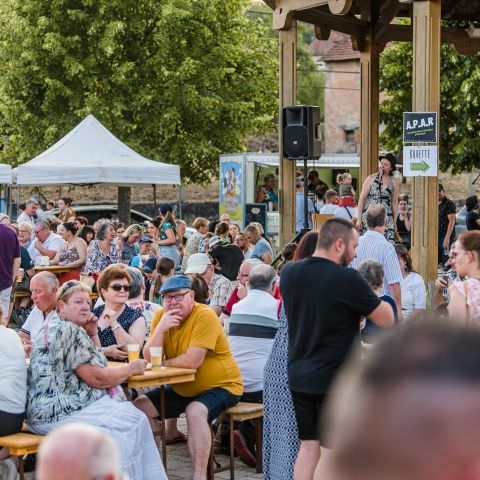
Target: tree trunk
x,y
124,204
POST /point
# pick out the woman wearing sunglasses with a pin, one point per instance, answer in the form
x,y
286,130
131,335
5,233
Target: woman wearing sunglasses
x,y
68,382
118,324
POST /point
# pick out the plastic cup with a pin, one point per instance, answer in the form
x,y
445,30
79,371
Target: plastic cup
x,y
133,352
21,273
156,354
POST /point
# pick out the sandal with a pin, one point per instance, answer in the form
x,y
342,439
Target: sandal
x,y
178,439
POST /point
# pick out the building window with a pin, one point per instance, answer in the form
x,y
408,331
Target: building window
x,y
350,137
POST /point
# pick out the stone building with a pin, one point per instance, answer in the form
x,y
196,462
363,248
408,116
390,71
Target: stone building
x,y
340,64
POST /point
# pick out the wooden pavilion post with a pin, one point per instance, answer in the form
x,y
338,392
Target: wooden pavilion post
x,y
369,104
288,75
426,97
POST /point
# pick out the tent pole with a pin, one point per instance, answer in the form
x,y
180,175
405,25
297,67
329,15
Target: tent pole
x,y
180,200
155,207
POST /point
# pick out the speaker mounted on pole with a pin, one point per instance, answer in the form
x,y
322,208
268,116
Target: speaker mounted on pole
x,y
301,132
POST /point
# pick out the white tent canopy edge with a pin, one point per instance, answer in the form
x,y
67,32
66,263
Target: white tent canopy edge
x,y
90,153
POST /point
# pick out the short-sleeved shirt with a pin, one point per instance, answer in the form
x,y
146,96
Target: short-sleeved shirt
x,y
220,290
25,259
374,246
53,242
10,250
324,303
163,230
202,329
261,248
13,380
54,390
126,319
445,208
471,220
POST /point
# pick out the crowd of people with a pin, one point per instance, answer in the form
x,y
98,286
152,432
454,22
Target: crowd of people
x,y
214,302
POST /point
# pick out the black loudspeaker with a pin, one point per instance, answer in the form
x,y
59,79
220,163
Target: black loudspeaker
x,y
301,132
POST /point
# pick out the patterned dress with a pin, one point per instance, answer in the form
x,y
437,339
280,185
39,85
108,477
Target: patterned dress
x,y
378,195
54,391
57,396
280,432
470,289
126,319
98,261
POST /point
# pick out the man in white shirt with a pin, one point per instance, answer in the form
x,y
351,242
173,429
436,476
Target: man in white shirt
x,y
44,286
374,246
252,327
331,201
47,243
29,214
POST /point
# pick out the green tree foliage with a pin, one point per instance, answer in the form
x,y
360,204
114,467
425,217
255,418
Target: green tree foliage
x,y
179,81
460,104
310,82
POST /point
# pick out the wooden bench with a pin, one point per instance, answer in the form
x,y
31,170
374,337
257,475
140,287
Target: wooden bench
x,y
19,445
239,413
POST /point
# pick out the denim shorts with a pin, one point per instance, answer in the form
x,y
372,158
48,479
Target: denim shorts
x,y
216,400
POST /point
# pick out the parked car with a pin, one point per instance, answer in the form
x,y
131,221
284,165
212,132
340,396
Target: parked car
x,y
95,212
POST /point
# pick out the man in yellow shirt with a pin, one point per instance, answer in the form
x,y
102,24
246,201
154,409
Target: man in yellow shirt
x,y
192,337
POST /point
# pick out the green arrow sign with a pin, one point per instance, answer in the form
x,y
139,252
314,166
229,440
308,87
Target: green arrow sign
x,y
419,167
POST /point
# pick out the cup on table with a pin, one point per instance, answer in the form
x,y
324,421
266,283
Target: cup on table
x,y
20,274
156,354
133,352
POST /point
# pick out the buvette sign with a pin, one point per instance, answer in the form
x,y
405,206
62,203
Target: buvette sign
x,y
420,127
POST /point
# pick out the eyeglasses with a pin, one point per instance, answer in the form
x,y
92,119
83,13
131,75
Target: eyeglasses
x,y
178,297
117,287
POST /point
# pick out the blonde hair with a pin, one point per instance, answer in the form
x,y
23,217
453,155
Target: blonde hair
x,y
25,226
135,228
65,292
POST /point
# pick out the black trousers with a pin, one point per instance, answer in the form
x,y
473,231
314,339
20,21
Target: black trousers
x,y
10,423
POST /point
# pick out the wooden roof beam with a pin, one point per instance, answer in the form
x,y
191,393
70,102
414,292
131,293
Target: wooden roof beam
x,y
286,10
457,37
345,24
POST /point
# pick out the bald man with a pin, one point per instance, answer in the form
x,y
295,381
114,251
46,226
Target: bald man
x,y
411,412
83,451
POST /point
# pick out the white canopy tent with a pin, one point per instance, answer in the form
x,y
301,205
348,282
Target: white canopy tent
x,y
92,154
5,174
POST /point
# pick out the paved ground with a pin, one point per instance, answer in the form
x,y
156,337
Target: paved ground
x,y
179,465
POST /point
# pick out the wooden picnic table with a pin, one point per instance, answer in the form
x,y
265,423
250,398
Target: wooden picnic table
x,y
159,377
54,268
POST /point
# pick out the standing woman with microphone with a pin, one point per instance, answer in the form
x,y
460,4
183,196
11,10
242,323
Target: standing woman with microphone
x,y
381,188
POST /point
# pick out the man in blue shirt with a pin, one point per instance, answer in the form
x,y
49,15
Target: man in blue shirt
x,y
300,214
261,248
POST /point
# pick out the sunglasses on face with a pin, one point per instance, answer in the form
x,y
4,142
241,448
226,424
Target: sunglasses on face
x,y
117,287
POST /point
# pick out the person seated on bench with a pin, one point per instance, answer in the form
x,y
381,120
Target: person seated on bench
x,y
13,388
192,337
44,286
69,382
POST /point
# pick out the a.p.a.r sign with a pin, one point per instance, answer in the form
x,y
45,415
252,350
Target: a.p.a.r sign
x,y
420,127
